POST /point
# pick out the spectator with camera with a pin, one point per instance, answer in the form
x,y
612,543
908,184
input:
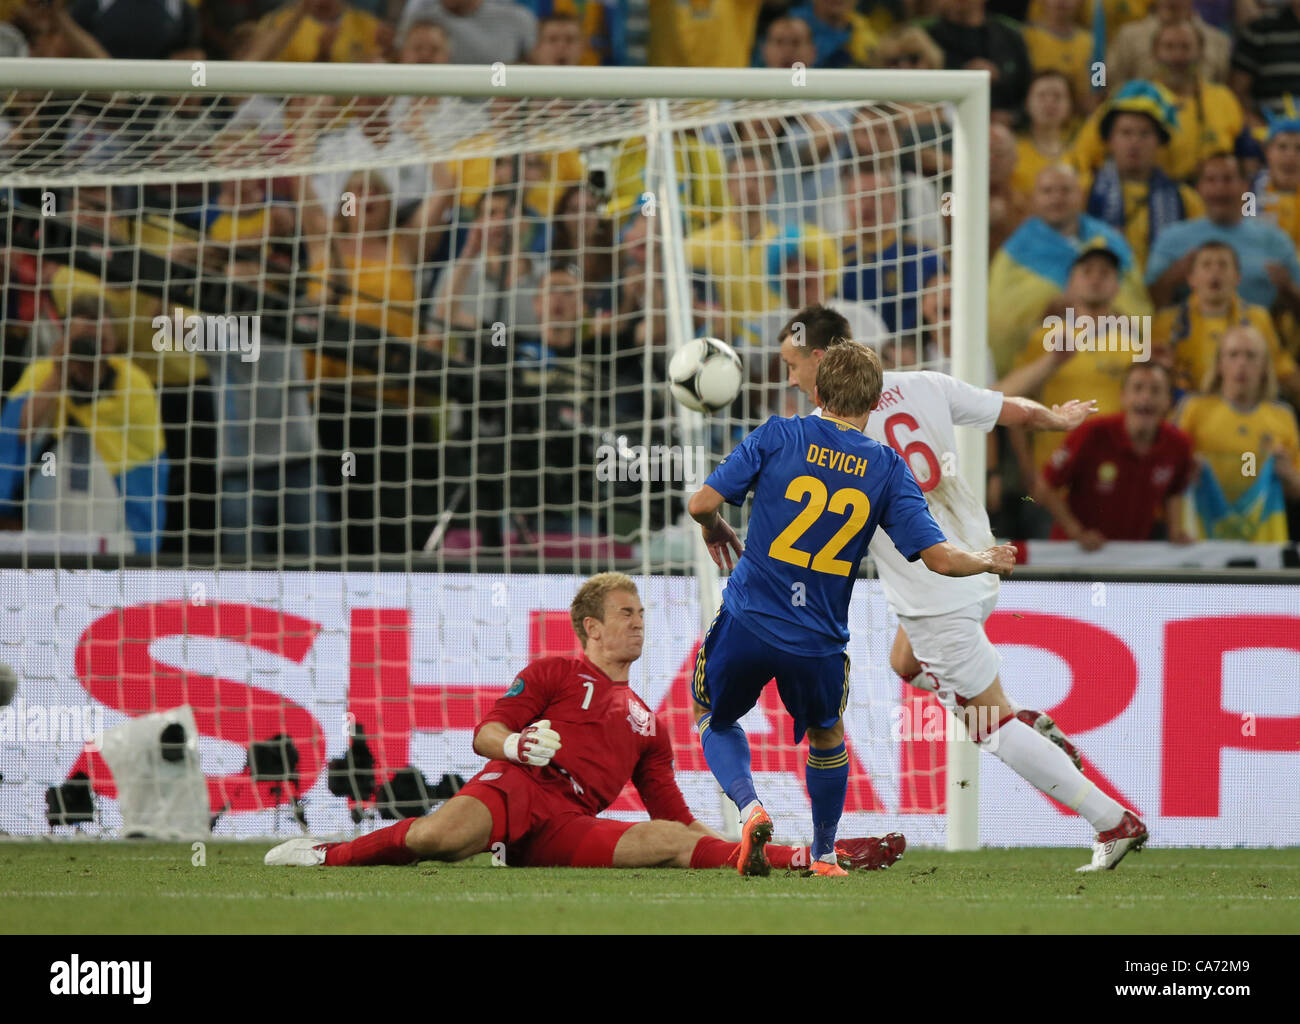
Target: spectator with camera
x,y
51,31
580,235
913,147
81,441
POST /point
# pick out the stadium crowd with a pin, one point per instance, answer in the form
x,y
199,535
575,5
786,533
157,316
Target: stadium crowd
x,y
471,329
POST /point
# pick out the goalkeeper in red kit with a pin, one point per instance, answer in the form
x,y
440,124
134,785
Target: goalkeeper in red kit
x,y
561,744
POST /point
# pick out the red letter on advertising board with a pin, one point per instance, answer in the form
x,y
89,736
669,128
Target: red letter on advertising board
x,y
1197,728
116,668
379,683
1103,675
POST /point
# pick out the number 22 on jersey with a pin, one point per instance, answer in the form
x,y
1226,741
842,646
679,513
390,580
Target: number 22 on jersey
x,y
845,501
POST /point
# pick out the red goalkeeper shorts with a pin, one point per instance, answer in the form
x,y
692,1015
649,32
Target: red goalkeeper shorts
x,y
539,828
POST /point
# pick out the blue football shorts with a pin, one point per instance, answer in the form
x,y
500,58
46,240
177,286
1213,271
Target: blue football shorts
x,y
734,665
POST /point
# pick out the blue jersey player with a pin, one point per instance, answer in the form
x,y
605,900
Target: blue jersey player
x,y
821,487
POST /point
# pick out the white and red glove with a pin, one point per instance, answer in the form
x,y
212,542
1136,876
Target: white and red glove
x,y
535,745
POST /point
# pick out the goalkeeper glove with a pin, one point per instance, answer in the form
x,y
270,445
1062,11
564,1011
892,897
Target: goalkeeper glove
x,y
535,745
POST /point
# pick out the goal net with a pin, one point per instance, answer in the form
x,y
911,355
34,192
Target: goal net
x,y
324,388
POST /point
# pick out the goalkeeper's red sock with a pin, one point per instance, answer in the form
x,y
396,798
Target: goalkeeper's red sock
x,y
383,846
788,856
718,853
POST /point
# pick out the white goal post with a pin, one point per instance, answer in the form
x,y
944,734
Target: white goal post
x,y
965,206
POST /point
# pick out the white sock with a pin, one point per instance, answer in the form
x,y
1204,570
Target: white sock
x,y
747,810
1039,761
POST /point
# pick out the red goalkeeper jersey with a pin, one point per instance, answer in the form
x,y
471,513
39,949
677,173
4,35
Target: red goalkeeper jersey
x,y
608,735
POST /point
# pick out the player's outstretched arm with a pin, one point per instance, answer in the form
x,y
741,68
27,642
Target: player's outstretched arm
x,y
949,560
720,538
1025,412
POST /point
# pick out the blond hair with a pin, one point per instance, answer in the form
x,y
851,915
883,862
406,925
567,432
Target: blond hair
x,y
849,379
1213,381
590,600
908,41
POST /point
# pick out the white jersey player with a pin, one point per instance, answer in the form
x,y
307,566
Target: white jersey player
x,y
941,644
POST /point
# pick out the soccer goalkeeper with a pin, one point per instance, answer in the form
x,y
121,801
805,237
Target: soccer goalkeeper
x,y
562,743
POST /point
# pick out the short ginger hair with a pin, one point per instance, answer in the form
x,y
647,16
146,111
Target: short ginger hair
x,y
849,379
590,600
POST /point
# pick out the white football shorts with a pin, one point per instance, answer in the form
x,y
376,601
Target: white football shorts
x,y
957,659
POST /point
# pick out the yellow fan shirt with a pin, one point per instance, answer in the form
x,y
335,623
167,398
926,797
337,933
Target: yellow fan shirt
x,y
701,179
1137,219
1029,162
1097,375
1208,122
130,311
124,421
735,266
702,33
547,177
1281,208
357,39
1118,13
1221,435
1071,56
1194,339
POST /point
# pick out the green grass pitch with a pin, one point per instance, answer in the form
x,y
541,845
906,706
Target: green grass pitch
x,y
86,888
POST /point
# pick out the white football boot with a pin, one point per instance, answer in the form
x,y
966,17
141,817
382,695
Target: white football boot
x,y
1112,845
303,852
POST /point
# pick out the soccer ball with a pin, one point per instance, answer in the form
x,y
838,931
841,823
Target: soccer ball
x,y
705,374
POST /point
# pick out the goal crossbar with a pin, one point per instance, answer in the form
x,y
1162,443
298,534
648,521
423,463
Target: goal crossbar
x,y
252,77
